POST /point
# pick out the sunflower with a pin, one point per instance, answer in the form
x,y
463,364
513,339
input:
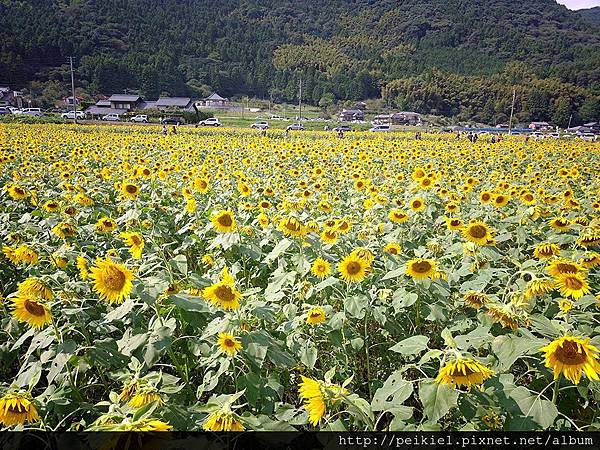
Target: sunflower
x,y
51,206
454,224
478,232
398,215
315,315
572,356
393,248
17,409
485,197
321,268
223,293
263,220
590,260
106,225
223,221
31,310
420,268
500,200
417,204
129,390
463,372
572,285
538,287
290,226
83,267
223,420
130,190
475,299
563,266
147,425
136,243
560,224
207,260
191,205
144,396
329,236
546,250
565,305
111,281
16,192
353,269
503,315
201,185
363,253
229,344
314,401
34,287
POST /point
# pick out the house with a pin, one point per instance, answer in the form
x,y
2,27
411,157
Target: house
x,y
405,118
350,115
381,119
214,101
360,105
9,97
125,101
68,101
174,103
542,126
102,108
594,126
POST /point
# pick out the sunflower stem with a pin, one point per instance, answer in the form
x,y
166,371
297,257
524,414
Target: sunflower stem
x,y
556,389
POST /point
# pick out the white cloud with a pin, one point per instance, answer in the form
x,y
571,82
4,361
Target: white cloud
x,y
579,4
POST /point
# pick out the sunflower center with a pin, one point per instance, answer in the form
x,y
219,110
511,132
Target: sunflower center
x,y
353,267
416,204
566,268
17,409
130,188
485,197
421,267
292,225
114,279
225,220
229,343
34,308
573,283
570,353
478,231
455,222
136,240
225,294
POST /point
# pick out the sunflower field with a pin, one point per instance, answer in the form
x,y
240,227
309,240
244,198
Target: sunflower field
x,y
227,281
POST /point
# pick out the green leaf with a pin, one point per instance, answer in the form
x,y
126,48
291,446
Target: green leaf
x,y
180,264
411,346
281,247
393,274
63,353
355,305
437,399
308,356
392,394
190,303
509,348
158,343
542,411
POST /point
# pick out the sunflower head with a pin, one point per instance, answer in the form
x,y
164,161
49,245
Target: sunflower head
x,y
572,356
229,344
17,409
421,268
321,268
353,269
223,221
464,372
113,282
315,315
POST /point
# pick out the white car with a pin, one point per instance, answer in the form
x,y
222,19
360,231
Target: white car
x,y
111,117
274,117
261,125
140,118
72,114
380,128
37,112
210,122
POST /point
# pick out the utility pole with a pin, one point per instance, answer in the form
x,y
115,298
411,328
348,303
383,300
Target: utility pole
x,y
300,101
570,118
73,91
512,109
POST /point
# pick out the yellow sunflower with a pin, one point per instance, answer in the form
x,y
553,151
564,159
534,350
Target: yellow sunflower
x,y
546,250
314,401
111,281
136,243
454,224
475,299
421,268
464,372
417,204
478,232
130,190
223,420
398,215
290,226
35,287
353,269
393,248
223,294
321,268
31,310
329,236
229,344
572,285
223,221
563,266
572,356
315,315
17,409
145,395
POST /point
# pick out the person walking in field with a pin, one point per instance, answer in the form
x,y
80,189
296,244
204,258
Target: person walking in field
x,y
164,130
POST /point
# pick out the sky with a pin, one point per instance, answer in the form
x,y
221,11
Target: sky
x,y
579,4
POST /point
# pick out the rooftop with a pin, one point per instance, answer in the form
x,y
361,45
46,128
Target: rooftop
x,y
173,101
124,98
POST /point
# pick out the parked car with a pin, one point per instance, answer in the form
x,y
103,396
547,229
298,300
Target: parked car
x,y
111,117
262,125
344,128
380,128
72,114
14,110
210,122
537,135
4,110
37,112
140,118
553,135
175,120
588,137
274,117
295,127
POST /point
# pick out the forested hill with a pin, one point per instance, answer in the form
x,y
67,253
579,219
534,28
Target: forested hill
x,y
348,48
591,15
